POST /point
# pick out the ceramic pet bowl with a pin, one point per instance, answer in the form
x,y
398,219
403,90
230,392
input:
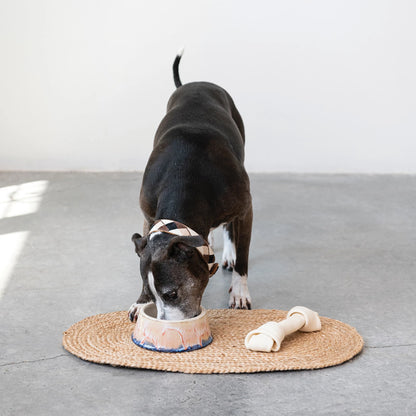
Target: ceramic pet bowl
x,y
170,336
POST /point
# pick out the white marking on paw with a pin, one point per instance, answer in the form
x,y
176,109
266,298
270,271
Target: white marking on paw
x,y
239,295
134,311
228,254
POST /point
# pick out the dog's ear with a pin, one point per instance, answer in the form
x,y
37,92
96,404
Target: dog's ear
x,y
139,243
180,249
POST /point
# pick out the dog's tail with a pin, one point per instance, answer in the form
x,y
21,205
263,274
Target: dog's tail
x,y
176,78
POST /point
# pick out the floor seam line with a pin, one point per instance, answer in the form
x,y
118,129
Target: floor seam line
x,y
389,346
33,361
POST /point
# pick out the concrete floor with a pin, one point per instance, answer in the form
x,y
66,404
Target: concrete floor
x,y
344,245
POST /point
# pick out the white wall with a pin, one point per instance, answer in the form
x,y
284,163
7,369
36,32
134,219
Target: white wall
x,y
323,86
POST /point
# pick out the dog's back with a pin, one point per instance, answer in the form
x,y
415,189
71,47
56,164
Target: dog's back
x,y
205,109
197,161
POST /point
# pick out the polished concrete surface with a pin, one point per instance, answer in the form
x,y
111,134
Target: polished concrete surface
x,y
344,245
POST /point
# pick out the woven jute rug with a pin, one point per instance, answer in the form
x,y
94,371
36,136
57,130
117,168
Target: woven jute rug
x,y
106,339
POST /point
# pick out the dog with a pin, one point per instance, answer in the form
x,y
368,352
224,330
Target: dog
x,y
194,182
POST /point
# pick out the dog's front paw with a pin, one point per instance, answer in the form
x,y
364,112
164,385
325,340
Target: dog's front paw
x,y
134,311
239,295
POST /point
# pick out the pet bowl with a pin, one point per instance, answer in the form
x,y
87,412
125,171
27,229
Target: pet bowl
x,y
170,336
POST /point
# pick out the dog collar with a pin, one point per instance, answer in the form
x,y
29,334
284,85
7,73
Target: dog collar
x,y
177,228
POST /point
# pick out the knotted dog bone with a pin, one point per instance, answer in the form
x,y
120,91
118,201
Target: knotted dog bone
x,y
269,336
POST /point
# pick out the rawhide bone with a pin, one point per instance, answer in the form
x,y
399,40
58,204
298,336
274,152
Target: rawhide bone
x,y
269,336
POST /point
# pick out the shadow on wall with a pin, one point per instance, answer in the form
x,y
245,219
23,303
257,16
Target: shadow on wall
x,y
16,200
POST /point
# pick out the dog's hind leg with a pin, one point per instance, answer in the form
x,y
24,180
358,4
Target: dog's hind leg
x,y
144,296
239,293
228,253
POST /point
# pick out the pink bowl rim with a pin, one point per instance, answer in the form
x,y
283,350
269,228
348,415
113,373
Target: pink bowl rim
x,y
165,321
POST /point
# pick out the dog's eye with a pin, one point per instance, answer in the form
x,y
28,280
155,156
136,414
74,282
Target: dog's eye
x,y
169,296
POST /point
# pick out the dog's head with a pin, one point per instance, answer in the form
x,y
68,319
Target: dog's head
x,y
174,272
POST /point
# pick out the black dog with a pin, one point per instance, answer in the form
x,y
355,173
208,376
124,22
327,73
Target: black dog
x,y
195,181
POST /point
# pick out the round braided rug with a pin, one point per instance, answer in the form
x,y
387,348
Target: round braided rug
x,y
106,339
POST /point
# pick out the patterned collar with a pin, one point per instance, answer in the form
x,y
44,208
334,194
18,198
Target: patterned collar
x,y
177,228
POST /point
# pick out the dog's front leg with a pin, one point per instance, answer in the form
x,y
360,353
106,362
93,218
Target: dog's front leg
x,y
239,293
144,296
